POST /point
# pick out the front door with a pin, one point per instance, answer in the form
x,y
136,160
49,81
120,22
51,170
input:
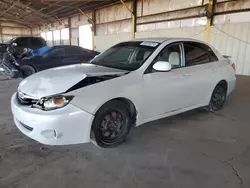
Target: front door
x,y
165,92
70,59
52,58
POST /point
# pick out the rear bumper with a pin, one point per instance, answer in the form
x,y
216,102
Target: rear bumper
x,y
231,85
10,70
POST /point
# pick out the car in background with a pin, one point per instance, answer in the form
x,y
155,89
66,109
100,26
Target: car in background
x,y
128,85
2,50
21,43
56,56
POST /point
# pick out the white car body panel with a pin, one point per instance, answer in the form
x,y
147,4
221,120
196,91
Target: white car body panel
x,y
158,90
58,80
91,98
65,123
154,95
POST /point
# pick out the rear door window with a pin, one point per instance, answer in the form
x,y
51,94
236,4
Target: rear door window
x,y
198,53
55,52
74,50
36,42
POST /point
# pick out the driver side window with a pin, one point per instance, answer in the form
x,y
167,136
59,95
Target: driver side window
x,y
171,54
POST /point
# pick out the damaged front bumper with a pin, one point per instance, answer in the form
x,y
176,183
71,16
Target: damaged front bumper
x,y
64,126
10,70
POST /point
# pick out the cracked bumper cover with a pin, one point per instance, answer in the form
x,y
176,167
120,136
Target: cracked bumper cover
x,y
11,70
68,125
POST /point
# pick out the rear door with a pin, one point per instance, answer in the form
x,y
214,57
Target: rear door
x,y
201,64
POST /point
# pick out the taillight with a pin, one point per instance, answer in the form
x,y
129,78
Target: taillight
x,y
234,67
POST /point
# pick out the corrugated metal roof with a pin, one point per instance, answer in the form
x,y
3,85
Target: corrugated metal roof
x,y
32,13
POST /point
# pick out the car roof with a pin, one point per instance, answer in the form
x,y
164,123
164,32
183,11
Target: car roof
x,y
173,39
28,37
73,46
164,39
66,46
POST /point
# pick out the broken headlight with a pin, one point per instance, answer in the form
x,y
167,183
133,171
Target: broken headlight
x,y
55,102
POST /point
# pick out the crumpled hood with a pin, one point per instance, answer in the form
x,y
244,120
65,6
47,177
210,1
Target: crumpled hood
x,y
59,80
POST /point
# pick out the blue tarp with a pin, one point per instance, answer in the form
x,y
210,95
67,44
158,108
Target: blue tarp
x,y
40,51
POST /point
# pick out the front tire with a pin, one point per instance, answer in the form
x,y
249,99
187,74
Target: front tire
x,y
111,125
218,98
27,70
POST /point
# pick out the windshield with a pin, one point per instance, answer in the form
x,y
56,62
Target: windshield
x,y
126,56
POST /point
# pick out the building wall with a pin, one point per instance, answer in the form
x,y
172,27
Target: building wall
x,y
8,30
233,39
36,31
230,33
72,24
161,18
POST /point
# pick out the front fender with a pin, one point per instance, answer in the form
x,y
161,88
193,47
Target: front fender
x,y
93,97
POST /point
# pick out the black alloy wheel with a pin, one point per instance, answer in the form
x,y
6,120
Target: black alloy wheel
x,y
111,125
218,98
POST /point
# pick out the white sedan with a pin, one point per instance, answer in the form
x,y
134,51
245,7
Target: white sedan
x,y
128,85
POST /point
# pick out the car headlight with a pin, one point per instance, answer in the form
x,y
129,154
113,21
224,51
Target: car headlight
x,y
55,102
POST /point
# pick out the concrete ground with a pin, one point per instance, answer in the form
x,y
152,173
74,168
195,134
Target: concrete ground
x,y
192,150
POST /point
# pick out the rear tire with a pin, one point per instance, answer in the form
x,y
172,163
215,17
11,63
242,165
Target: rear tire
x,y
27,70
218,98
111,125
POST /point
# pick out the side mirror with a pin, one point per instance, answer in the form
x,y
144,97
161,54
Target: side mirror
x,y
162,66
14,44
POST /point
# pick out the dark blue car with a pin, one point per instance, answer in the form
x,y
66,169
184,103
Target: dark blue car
x,y
53,57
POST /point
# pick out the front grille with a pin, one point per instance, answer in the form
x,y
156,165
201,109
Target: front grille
x,y
26,101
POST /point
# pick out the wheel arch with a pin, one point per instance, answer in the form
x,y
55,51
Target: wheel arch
x,y
223,83
30,66
130,105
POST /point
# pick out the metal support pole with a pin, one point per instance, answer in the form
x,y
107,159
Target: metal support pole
x,y
134,6
133,20
60,31
210,9
1,33
70,31
53,41
93,28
